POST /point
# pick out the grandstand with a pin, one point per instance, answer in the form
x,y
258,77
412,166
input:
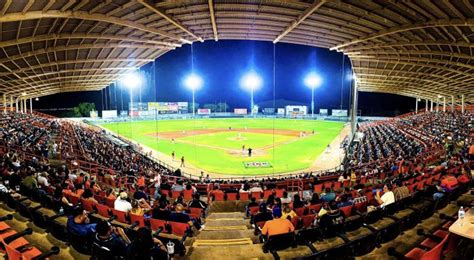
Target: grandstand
x,y
404,190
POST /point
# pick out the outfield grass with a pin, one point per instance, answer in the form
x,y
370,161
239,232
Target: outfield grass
x,y
289,153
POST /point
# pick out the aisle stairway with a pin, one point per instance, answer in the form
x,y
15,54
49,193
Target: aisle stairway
x,y
229,235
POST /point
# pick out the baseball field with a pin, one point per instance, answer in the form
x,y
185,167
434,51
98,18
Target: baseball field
x,y
221,145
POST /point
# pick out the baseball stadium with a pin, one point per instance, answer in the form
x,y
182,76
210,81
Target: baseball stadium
x,y
236,129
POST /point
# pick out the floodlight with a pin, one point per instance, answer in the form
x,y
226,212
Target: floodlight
x,y
193,82
439,96
312,80
251,81
37,99
132,80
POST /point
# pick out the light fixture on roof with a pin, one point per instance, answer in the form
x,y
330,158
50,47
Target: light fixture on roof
x,y
439,96
23,94
37,99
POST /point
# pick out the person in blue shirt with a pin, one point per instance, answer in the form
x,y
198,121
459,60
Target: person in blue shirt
x,y
328,195
78,223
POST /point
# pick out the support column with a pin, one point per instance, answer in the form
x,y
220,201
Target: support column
x,y
416,105
17,109
354,108
4,103
31,105
462,103
452,103
11,103
24,106
426,105
444,104
437,104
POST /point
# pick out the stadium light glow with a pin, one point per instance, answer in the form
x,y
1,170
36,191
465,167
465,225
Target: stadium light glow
x,y
251,81
193,82
312,80
131,80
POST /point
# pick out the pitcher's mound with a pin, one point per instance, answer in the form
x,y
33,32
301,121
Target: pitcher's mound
x,y
237,138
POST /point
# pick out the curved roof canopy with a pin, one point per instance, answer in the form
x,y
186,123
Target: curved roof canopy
x,y
418,48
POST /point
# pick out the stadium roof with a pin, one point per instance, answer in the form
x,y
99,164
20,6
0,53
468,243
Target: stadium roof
x,y
418,48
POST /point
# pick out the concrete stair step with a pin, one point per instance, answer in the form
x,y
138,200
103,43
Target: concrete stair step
x,y
218,215
227,234
220,228
226,222
253,251
223,242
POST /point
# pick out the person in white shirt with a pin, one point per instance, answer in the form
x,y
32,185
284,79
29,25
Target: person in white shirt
x,y
121,203
256,188
43,180
157,183
285,199
387,198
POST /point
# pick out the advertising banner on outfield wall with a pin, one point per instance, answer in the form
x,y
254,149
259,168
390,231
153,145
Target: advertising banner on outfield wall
x,y
204,111
281,111
323,112
168,107
93,114
139,106
339,112
240,111
109,114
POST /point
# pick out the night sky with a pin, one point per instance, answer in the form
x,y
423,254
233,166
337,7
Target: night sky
x,y
222,64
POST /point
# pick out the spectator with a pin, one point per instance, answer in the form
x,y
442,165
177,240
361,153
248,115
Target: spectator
x,y
43,180
333,218
139,207
87,195
288,213
361,198
112,239
401,191
256,188
121,202
297,202
285,199
315,199
140,193
78,224
343,177
387,198
342,201
180,216
278,225
197,202
328,195
110,194
160,210
144,246
178,186
263,215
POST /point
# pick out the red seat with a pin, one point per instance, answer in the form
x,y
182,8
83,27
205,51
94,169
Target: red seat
x,y
137,218
254,210
300,211
103,210
346,183
87,204
315,207
327,185
434,253
347,210
157,223
431,243
14,254
244,196
308,220
257,195
232,196
175,194
195,212
165,192
295,221
279,192
121,215
99,198
363,180
219,196
337,185
261,224
74,199
178,228
188,194
318,188
267,193
361,207
110,202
